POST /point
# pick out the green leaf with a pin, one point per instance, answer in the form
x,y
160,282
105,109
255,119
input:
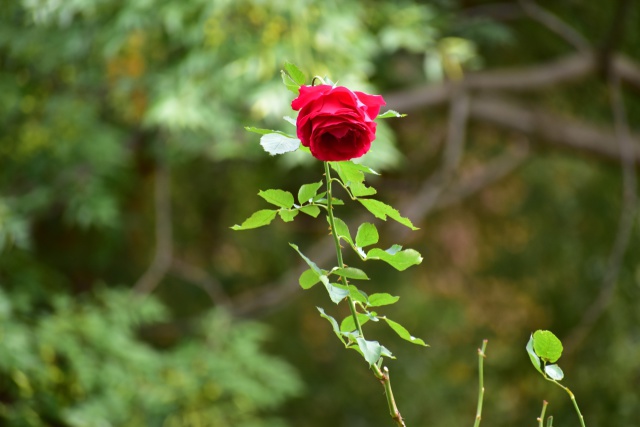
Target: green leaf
x,y
336,292
257,219
357,294
377,300
554,372
358,189
367,235
308,191
267,131
535,360
382,210
308,279
371,350
312,210
350,273
342,230
289,83
294,72
403,333
334,324
280,198
310,263
287,215
389,114
400,260
348,325
547,346
277,143
348,172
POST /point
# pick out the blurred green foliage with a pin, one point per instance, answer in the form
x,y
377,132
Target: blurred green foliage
x,y
94,92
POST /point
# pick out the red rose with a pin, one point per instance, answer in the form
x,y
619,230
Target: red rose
x,y
335,122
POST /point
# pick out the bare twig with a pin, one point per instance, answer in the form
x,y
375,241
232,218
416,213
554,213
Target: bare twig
x,y
556,25
625,224
200,277
163,231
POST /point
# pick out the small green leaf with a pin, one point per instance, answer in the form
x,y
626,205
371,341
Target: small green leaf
x,y
350,273
267,131
371,350
377,300
348,325
280,198
287,215
296,75
336,292
382,210
290,120
308,191
547,346
308,279
257,219
554,372
348,172
403,333
367,235
342,230
535,360
334,324
358,189
400,260
277,143
389,114
312,210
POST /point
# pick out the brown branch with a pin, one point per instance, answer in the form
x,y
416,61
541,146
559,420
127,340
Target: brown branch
x,y
625,224
556,25
204,280
163,232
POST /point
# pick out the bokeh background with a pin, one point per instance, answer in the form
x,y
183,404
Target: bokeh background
x,y
126,300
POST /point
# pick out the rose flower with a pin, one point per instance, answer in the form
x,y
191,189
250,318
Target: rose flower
x,y
335,122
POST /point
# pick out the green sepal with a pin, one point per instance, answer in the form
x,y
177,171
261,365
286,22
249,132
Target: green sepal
x,y
403,332
257,219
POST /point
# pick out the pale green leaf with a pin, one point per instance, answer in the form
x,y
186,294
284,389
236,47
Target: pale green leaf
x,y
310,263
553,371
280,198
371,350
277,143
336,292
289,83
348,325
535,360
257,219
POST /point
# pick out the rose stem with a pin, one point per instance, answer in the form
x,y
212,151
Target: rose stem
x,y
382,376
481,356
